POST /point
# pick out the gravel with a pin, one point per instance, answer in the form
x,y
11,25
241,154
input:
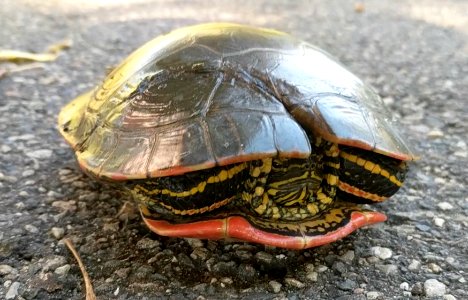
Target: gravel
x,y
434,288
12,291
373,295
382,252
413,53
63,270
57,232
6,269
275,286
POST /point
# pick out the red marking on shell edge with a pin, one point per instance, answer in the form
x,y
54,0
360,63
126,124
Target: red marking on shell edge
x,y
238,228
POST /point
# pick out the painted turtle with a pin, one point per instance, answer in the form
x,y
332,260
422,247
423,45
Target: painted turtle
x,y
229,131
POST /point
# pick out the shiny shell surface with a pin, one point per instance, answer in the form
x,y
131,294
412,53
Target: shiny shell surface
x,y
217,94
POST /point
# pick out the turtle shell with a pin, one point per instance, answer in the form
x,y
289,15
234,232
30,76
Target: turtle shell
x,y
217,94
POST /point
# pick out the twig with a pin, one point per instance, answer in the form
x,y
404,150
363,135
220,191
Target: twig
x,y
89,287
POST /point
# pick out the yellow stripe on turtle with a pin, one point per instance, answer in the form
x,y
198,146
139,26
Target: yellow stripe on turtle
x,y
360,193
191,212
220,177
371,167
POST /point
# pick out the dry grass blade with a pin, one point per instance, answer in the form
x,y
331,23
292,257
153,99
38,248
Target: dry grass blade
x,y
52,53
89,287
60,46
21,56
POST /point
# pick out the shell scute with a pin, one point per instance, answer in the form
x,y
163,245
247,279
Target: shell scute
x,y
216,94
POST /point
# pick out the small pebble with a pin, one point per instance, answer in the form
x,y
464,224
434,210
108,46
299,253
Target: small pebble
x,y
294,283
12,291
147,243
404,286
407,294
439,222
194,243
264,258
347,285
227,280
88,197
348,257
358,291
414,265
66,206
57,232
29,182
312,276
309,268
243,255
433,257
23,137
63,270
373,295
6,269
388,100
417,289
372,260
450,260
185,261
27,173
434,268
463,154
63,172
387,269
54,263
322,268
449,297
445,206
434,288
382,252
111,227
275,286
433,134
339,267
423,227
123,272
31,228
53,194
199,253
40,154
23,194
10,179
5,148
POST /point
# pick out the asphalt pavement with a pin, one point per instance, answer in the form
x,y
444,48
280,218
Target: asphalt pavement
x,y
414,53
